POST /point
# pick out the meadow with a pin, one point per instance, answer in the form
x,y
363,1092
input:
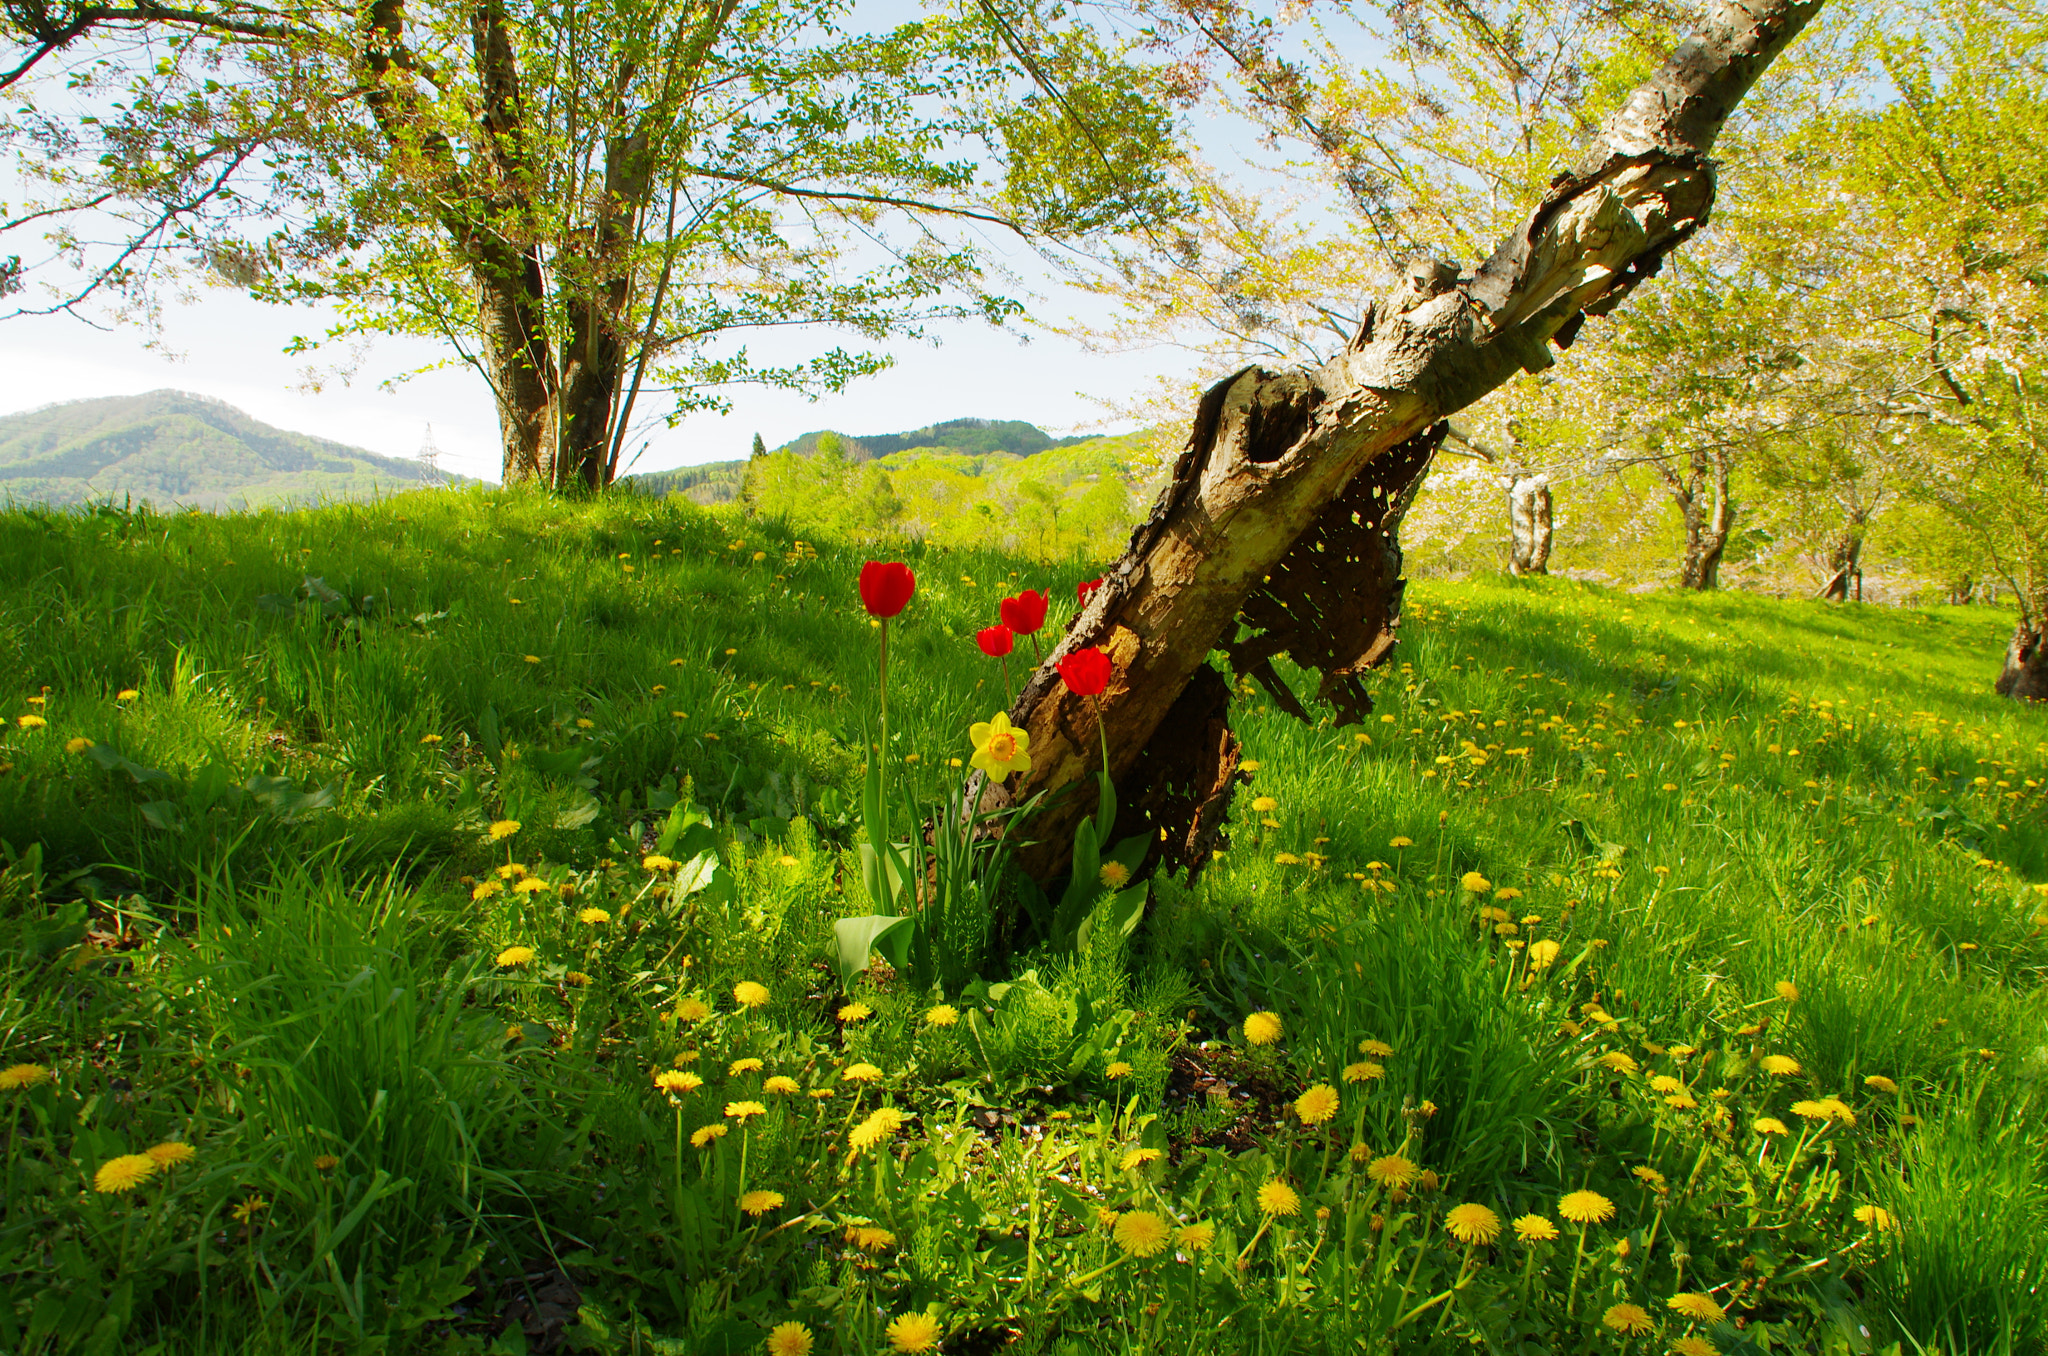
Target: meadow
x,y
415,923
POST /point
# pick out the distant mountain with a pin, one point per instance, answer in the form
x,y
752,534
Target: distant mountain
x,y
975,437
174,448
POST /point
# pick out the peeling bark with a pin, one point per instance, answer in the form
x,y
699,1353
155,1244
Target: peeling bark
x,y
1272,452
2025,677
1529,523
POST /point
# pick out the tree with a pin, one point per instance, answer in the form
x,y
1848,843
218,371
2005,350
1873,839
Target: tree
x,y
1952,252
587,202
1277,531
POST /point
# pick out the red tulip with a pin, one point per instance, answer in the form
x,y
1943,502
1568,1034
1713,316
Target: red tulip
x,y
1025,613
885,589
1086,672
1085,591
996,642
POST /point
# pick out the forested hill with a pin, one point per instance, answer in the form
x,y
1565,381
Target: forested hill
x,y
975,437
718,482
173,448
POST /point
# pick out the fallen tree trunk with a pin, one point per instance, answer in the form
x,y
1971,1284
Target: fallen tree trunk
x,y
1282,512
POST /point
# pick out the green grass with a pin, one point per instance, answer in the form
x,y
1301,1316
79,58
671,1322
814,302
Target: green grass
x,y
263,913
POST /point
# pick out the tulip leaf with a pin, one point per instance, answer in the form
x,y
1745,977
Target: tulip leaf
x,y
855,940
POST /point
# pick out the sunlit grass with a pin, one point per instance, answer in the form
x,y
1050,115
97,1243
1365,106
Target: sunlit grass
x,y
1605,883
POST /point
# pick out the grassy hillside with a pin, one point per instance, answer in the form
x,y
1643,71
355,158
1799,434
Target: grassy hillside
x,y
1651,973
174,449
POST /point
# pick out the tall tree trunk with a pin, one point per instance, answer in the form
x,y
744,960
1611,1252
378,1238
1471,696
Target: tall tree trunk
x,y
1529,510
594,360
1279,512
518,360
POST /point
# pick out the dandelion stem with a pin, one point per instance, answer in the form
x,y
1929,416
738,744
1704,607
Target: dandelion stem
x,y
1572,1292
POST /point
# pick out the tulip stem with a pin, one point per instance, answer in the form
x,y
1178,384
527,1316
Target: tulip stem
x,y
1009,693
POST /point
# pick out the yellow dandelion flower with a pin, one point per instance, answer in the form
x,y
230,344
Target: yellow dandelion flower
x,y
1114,875
593,917
1770,1125
1195,1237
1400,842
126,694
913,1333
171,1153
1391,1170
1364,1071
707,1134
1138,1158
576,978
34,723
744,1066
1141,1234
326,1163
1876,1217
855,1012
677,1080
1377,1049
744,1111
1264,805
18,1076
692,1010
789,1339
868,1238
534,885
1586,1207
1692,1344
250,1208
782,1085
79,744
1319,1104
1278,1199
1618,1062
124,1173
860,1073
1648,1175
1117,1069
485,889
1543,954
877,1129
1811,1110
760,1202
1682,1100
1664,1083
749,994
945,1014
657,863
1535,1229
503,829
1879,1083
1697,1307
1782,1065
1262,1028
1787,990
1627,1318
1472,1223
515,955
1475,883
